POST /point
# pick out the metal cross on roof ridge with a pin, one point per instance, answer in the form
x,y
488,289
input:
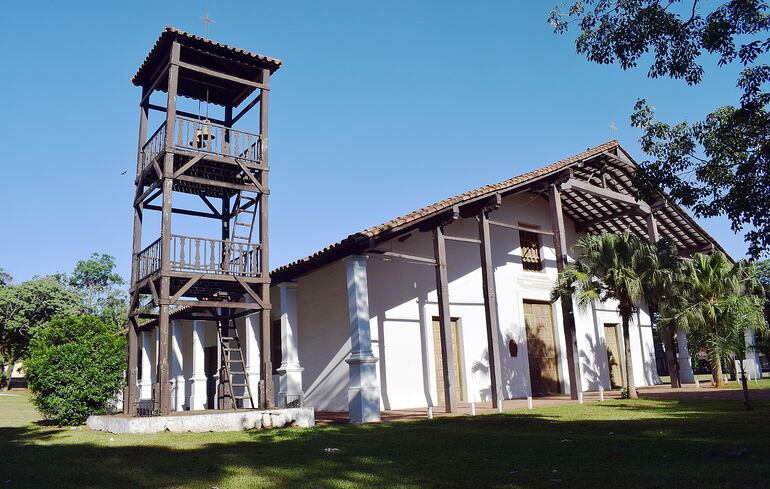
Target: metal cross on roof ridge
x,y
207,20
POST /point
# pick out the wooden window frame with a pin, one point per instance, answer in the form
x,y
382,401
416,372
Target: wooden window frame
x,y
531,230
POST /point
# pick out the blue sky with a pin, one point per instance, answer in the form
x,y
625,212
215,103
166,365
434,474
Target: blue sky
x,y
380,108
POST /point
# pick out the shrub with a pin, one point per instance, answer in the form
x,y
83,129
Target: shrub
x,y
75,365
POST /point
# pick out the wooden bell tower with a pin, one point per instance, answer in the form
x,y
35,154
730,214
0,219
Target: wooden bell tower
x,y
222,168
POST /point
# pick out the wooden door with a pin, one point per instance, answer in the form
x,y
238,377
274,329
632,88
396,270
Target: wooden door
x,y
541,348
439,361
612,342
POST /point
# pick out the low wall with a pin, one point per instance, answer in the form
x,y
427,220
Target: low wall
x,y
204,421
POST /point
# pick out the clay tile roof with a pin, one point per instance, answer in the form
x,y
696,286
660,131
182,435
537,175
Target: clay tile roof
x,y
348,246
208,54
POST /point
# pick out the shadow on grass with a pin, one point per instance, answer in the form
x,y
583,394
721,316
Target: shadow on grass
x,y
620,444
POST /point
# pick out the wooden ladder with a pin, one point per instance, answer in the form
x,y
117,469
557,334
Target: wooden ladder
x,y
244,217
230,345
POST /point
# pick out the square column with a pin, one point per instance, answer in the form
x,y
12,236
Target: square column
x,y
253,358
363,390
148,365
290,369
198,379
178,387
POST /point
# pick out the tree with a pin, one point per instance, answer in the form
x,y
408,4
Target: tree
x,y
762,341
5,278
75,366
612,267
717,306
94,279
660,295
720,164
24,308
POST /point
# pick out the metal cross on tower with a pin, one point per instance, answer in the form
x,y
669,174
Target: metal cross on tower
x,y
207,20
614,129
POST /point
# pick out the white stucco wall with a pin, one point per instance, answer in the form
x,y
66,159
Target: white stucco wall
x,y
402,302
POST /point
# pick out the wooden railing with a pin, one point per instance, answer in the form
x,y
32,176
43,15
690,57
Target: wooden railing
x,y
208,137
203,136
215,256
149,259
154,146
202,255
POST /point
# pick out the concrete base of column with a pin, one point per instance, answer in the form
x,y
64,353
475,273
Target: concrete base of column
x,y
198,399
363,391
145,389
290,390
179,393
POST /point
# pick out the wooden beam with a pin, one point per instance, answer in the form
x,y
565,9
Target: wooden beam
x,y
210,205
192,162
160,108
247,108
186,212
609,217
216,183
445,322
402,257
652,228
250,176
462,239
519,228
154,292
221,76
228,304
579,185
568,316
250,291
147,192
266,397
185,288
490,311
158,79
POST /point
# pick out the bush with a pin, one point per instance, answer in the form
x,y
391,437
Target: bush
x,y
75,365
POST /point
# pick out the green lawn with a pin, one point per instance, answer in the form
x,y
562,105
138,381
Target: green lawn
x,y
667,444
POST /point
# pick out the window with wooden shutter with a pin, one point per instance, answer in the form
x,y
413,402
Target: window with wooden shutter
x,y
530,251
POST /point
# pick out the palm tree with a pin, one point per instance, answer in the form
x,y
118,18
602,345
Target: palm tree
x,y
617,267
720,302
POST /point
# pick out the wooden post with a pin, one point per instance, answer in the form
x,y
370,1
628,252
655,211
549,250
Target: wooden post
x,y
131,397
165,233
490,311
442,290
652,228
266,398
560,247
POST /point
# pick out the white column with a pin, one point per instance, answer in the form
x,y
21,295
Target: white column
x,y
178,390
363,390
251,353
198,379
148,365
686,375
290,370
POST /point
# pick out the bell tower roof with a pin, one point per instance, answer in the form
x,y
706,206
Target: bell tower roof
x,y
205,55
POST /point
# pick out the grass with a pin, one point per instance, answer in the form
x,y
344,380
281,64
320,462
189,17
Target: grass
x,y
645,443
